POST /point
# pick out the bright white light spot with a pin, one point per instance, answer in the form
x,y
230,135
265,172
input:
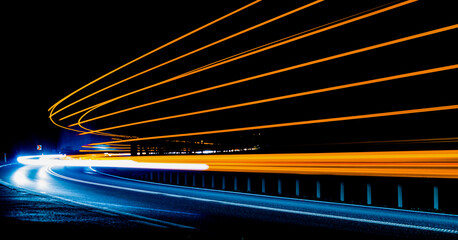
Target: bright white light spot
x,y
61,160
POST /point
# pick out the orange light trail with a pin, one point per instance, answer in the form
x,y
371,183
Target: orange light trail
x,y
378,80
183,56
429,164
423,164
428,33
250,52
285,69
145,55
299,123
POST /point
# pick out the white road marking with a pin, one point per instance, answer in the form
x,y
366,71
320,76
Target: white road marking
x,y
392,224
148,223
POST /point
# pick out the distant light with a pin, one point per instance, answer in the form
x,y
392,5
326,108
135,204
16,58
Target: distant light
x,y
208,151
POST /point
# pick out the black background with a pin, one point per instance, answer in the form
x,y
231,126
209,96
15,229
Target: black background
x,y
51,50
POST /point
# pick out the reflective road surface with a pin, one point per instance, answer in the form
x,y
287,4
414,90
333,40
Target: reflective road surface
x,y
228,214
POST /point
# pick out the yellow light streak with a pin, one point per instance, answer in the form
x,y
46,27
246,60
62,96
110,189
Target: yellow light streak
x,y
151,52
285,69
428,33
299,123
233,58
424,164
378,80
285,167
188,54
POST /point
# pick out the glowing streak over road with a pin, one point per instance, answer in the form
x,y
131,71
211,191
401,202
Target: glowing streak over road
x,y
283,97
145,55
250,52
424,164
299,123
185,55
416,36
62,160
246,166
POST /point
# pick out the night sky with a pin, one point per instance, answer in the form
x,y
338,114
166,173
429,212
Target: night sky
x,y
51,50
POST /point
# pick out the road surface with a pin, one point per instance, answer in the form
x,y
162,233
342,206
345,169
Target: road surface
x,y
225,214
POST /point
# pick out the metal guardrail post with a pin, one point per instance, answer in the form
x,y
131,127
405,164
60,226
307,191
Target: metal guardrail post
x,y
235,183
185,179
369,194
203,180
436,197
193,179
297,188
318,189
342,191
263,185
400,196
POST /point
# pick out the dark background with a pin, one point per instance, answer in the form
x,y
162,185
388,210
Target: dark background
x,y
51,50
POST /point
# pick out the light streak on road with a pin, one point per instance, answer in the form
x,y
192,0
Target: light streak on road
x,y
145,55
250,52
95,147
92,161
400,40
178,58
362,83
289,124
419,164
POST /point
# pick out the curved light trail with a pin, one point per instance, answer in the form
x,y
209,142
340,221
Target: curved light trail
x,y
440,164
177,58
419,164
141,57
289,124
416,36
378,80
274,44
289,39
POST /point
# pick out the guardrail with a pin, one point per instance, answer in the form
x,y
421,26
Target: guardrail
x,y
422,194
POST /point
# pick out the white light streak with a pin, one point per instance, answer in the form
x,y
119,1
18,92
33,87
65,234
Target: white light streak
x,y
62,160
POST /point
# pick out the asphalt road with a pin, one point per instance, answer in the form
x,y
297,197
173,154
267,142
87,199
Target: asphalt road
x,y
224,214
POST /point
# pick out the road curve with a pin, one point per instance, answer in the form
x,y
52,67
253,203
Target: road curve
x,y
227,213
